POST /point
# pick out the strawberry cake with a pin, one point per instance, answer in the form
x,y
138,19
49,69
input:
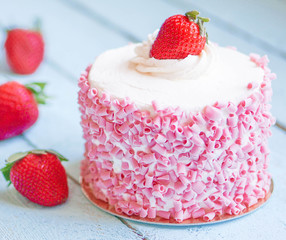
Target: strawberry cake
x,y
176,127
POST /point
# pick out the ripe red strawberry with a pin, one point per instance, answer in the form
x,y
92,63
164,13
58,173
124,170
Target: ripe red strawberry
x,y
180,36
24,50
39,176
18,107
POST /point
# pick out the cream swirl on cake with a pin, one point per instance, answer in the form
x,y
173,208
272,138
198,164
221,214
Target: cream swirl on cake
x,y
189,68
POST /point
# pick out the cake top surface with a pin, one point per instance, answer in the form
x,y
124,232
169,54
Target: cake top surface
x,y
217,74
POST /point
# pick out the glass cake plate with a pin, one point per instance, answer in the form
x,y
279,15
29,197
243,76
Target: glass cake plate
x,y
171,222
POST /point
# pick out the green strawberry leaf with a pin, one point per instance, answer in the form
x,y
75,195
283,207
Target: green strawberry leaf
x,y
38,151
6,172
192,15
16,156
37,88
204,19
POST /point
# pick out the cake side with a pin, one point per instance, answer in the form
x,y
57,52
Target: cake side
x,y
174,164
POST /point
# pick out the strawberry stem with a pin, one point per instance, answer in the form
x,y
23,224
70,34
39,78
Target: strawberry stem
x,y
204,19
37,25
37,88
192,16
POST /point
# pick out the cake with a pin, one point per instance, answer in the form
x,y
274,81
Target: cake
x,y
175,138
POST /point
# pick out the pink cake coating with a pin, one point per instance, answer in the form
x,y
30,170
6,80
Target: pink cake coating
x,y
175,165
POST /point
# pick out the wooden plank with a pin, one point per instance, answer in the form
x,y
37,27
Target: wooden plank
x,y
76,219
72,39
139,18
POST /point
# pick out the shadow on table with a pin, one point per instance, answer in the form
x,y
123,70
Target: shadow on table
x,y
10,196
73,170
4,68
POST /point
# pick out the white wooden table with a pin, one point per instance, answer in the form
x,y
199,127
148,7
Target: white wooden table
x,y
75,32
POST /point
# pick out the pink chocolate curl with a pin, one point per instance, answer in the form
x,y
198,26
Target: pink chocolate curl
x,y
212,113
209,216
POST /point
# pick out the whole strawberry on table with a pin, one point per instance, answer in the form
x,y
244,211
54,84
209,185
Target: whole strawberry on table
x,y
39,176
19,107
24,49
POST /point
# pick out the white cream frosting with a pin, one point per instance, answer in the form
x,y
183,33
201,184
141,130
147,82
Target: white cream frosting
x,y
189,68
216,75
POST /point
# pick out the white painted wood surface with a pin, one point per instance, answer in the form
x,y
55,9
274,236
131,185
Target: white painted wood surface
x,y
76,31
